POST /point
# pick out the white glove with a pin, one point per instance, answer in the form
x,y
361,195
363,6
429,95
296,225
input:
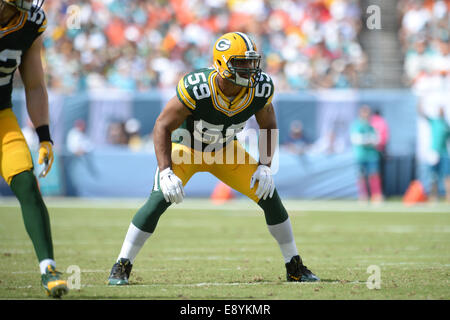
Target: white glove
x,y
266,186
171,186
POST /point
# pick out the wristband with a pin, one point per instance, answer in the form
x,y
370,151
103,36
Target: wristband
x,y
43,133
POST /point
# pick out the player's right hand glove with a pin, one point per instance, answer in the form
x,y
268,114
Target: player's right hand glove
x,y
171,186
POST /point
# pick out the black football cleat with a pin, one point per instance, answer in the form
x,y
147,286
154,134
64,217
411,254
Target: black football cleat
x,y
296,271
120,273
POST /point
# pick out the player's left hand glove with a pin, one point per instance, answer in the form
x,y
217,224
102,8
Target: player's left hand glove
x,y
266,186
45,157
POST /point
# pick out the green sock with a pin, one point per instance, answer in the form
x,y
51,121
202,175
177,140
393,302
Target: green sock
x,y
34,212
148,215
274,211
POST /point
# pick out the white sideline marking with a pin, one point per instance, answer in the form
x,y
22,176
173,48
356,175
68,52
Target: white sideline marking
x,y
242,205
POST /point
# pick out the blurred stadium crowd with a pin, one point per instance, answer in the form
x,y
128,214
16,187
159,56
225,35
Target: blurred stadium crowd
x,y
424,36
141,45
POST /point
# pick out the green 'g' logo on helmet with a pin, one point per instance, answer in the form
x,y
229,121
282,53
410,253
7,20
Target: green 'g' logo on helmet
x,y
223,44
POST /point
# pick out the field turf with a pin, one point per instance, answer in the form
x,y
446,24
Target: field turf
x,y
201,251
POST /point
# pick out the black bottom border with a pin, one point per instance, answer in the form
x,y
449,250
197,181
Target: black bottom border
x,y
225,309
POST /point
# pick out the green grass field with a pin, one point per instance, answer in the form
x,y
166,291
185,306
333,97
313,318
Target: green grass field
x,y
201,251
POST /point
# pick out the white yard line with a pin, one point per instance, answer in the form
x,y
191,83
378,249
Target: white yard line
x,y
238,268
208,284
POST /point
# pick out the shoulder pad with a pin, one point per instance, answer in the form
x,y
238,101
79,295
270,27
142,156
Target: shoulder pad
x,y
264,77
39,19
265,88
193,87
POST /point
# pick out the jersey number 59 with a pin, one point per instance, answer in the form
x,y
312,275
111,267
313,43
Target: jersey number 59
x,y
201,90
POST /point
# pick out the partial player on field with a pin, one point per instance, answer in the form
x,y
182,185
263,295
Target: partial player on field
x,y
196,132
21,24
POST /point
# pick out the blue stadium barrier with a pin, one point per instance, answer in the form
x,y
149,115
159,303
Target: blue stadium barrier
x,y
115,171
